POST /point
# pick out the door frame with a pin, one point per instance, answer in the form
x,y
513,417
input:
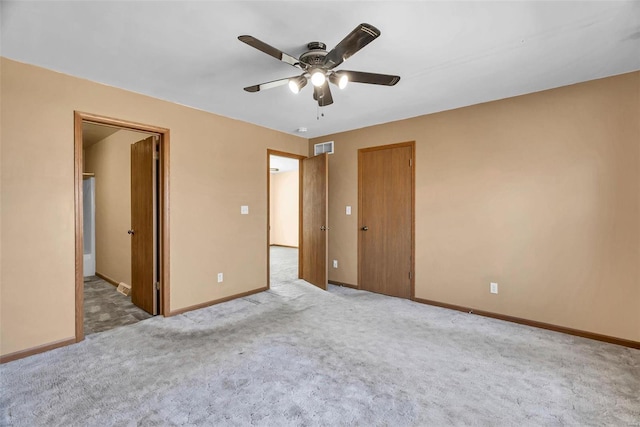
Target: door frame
x,y
163,226
299,157
412,145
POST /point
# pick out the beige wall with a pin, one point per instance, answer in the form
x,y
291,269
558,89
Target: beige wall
x,y
217,164
110,161
539,193
284,208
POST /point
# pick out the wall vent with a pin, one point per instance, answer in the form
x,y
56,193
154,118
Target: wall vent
x,y
124,289
323,147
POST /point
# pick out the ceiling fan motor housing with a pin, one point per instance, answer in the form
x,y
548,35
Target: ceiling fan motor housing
x,y
314,57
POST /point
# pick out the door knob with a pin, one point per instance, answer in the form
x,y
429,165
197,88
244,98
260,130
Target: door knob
x,y
131,232
364,228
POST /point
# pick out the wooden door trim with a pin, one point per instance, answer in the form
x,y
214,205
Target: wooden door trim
x,y
164,133
270,153
411,144
361,151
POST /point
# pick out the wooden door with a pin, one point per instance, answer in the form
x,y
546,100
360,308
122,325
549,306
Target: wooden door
x,y
143,293
385,241
314,220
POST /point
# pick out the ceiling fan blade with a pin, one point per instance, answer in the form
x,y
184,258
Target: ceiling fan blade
x,y
322,94
269,50
361,36
371,78
268,85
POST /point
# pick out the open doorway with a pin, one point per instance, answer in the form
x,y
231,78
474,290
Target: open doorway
x,y
107,209
284,202
121,222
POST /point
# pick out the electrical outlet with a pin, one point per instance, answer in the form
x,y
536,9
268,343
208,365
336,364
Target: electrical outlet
x,y
494,288
220,277
335,263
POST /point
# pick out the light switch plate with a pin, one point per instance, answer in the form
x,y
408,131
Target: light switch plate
x,y
244,210
348,210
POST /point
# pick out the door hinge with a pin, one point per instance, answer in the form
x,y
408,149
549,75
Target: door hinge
x,y
410,162
409,275
157,286
156,155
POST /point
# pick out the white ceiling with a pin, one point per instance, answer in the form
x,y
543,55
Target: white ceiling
x,y
93,133
448,54
283,164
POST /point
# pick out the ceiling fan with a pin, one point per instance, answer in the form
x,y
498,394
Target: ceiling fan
x,y
318,65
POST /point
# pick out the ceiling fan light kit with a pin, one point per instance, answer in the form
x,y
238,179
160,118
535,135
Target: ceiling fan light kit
x,y
340,80
318,65
317,78
297,83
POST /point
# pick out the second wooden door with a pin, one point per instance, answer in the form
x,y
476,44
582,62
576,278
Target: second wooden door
x,y
386,219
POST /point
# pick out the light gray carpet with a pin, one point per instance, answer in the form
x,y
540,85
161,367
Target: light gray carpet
x,y
284,265
296,355
105,308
